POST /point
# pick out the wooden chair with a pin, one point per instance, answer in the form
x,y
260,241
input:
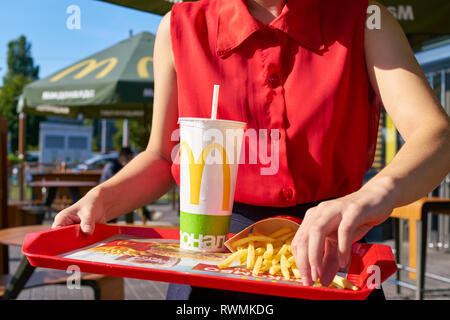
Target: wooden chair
x,y
23,213
416,214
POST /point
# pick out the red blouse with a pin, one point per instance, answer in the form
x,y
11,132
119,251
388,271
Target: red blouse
x,y
302,78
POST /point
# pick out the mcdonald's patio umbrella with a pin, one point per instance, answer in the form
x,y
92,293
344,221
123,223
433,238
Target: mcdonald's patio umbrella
x,y
114,83
415,16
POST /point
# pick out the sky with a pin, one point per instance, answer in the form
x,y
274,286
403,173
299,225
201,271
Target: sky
x,y
54,44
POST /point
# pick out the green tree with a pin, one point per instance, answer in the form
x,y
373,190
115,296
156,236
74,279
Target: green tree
x,y
135,135
20,60
21,71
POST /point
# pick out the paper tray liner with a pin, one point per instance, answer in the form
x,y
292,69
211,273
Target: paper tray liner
x,y
44,249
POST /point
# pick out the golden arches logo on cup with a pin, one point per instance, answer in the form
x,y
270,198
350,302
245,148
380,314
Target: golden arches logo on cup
x,y
208,171
196,169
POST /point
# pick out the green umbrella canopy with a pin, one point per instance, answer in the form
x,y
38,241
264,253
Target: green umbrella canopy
x,y
415,16
114,83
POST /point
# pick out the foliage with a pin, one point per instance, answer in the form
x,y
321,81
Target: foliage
x,y
13,159
21,71
135,136
19,60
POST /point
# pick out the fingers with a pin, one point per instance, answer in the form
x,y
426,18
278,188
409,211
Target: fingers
x,y
329,264
327,222
299,248
73,215
320,225
87,224
65,217
345,234
318,232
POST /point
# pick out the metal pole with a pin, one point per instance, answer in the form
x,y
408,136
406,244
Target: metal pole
x,y
125,133
103,148
22,152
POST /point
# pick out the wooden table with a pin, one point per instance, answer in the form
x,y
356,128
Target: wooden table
x,y
66,175
105,287
416,214
52,186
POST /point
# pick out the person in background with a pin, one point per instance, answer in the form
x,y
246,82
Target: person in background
x,y
114,166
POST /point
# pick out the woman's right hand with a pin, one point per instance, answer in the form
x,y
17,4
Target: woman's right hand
x,y
88,211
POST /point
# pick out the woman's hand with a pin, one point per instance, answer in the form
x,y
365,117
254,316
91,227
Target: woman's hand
x,y
88,211
323,242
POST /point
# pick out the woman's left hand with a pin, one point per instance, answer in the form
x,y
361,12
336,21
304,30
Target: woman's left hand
x,y
323,241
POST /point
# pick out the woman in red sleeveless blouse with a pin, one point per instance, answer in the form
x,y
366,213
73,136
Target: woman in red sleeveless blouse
x,y
308,76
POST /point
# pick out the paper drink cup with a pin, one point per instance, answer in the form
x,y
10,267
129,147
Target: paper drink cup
x,y
209,160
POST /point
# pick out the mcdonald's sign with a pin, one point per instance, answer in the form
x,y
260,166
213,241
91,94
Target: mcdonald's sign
x,y
88,66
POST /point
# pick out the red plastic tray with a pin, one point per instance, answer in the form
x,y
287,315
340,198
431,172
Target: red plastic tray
x,y
43,249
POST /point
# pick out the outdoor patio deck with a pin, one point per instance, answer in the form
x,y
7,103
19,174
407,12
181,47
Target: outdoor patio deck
x,y
438,262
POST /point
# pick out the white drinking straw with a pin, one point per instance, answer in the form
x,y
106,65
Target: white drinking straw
x,y
215,102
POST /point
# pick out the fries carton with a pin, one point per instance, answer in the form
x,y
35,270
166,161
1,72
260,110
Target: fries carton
x,y
266,226
370,265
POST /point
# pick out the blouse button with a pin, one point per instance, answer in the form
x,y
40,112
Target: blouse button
x,y
287,193
273,80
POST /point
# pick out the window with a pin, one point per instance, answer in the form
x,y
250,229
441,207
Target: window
x,y
55,142
78,143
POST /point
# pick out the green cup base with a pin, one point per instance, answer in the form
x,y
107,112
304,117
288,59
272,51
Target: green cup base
x,y
204,233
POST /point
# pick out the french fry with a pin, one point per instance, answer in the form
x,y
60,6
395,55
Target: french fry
x,y
274,269
291,261
260,251
231,258
285,237
341,283
280,232
266,264
250,256
284,267
296,273
317,283
276,260
248,239
243,256
269,251
283,250
257,266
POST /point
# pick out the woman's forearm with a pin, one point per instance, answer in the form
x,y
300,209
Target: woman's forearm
x,y
143,180
418,167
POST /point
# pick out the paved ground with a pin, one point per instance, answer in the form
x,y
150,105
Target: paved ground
x,y
438,263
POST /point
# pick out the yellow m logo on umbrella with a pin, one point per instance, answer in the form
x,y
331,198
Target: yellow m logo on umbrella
x,y
89,66
196,172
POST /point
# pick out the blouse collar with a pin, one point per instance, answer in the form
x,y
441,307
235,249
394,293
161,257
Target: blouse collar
x,y
300,19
